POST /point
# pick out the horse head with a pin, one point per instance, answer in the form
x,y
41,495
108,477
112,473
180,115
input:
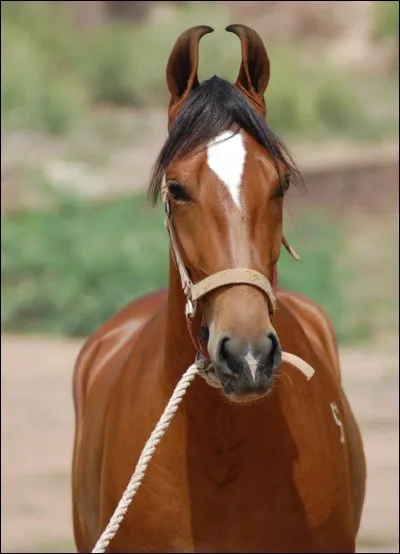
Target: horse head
x,y
223,175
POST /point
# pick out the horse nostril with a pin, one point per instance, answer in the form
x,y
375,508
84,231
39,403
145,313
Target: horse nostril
x,y
229,361
223,351
274,354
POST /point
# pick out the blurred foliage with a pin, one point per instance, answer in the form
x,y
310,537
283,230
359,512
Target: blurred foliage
x,y
35,50
315,102
51,73
387,20
33,95
67,271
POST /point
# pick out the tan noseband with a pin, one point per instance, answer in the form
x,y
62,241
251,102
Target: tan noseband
x,y
235,276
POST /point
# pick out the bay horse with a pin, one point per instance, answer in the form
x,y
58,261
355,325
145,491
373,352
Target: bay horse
x,y
249,466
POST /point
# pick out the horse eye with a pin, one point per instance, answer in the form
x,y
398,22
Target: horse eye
x,y
178,192
284,185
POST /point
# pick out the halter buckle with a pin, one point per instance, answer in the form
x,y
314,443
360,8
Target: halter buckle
x,y
190,308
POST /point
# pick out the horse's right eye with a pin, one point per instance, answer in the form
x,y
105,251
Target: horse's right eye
x,y
178,192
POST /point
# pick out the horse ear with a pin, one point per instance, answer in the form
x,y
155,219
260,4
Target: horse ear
x,y
254,70
183,64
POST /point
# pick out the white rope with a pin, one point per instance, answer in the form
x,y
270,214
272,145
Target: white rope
x,y
145,457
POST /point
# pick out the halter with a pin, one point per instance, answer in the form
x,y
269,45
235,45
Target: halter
x,y
234,276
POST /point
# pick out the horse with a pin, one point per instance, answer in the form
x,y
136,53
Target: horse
x,y
266,461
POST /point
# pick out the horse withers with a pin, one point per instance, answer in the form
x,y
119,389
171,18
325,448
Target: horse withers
x,y
262,462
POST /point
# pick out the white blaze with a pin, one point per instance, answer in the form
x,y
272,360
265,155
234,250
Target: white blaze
x,y
252,363
226,156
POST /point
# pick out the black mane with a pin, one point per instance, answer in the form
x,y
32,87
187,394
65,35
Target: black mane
x,y
213,107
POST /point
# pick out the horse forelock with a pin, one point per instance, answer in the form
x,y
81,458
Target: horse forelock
x,y
214,107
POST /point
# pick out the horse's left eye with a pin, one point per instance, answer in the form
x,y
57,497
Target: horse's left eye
x,y
178,192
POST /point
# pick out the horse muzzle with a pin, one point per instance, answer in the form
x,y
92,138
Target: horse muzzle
x,y
246,371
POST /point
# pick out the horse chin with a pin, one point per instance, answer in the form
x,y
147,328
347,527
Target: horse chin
x,y
246,399
251,397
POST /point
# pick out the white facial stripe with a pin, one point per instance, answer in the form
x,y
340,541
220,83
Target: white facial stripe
x,y
226,155
252,363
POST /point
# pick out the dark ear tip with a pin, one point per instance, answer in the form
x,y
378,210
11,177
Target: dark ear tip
x,y
195,33
206,29
235,28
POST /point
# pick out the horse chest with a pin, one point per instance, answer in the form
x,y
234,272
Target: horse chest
x,y
266,491
231,482
225,505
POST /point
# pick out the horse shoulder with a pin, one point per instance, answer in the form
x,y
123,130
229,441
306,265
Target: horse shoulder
x,y
98,364
112,340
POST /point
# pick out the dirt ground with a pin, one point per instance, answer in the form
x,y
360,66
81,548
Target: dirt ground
x,y
37,432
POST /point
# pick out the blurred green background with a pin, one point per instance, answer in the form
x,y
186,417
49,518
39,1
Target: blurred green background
x,y
81,81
